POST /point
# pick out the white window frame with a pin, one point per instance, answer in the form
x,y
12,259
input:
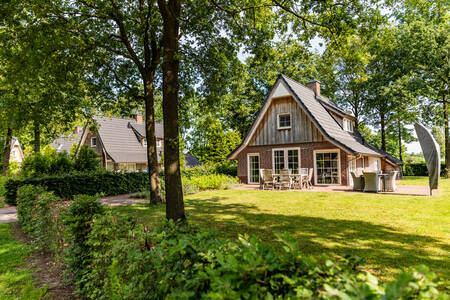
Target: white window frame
x,y
278,120
92,141
286,158
339,165
351,161
144,142
158,143
348,125
248,166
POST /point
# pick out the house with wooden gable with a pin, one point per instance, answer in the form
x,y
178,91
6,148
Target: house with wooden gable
x,y
121,142
297,127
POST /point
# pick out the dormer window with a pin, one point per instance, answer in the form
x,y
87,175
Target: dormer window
x,y
284,121
348,125
93,142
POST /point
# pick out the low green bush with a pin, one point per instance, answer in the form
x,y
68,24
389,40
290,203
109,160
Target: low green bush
x,y
183,262
67,186
78,222
213,182
37,216
49,162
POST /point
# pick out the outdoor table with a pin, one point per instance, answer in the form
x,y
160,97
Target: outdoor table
x,y
383,178
300,177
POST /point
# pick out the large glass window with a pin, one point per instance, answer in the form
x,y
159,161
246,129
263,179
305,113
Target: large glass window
x,y
278,160
327,167
286,158
253,168
293,160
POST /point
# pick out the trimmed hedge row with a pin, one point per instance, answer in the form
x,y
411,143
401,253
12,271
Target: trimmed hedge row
x,y
67,186
420,169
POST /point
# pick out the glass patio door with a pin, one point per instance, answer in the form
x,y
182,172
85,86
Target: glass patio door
x,y
351,168
327,167
253,168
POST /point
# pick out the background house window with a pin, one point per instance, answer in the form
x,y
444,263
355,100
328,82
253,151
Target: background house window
x,y
93,142
144,142
348,125
158,143
284,121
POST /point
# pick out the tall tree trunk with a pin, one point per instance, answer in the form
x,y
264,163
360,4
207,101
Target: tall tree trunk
x,y
446,137
400,142
170,13
152,155
383,132
7,152
37,137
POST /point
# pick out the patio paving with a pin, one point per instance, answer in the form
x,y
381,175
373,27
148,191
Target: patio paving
x,y
411,190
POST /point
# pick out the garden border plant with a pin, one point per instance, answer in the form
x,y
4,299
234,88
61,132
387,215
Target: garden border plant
x,y
112,257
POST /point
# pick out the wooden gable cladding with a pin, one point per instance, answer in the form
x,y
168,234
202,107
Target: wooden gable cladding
x,y
302,129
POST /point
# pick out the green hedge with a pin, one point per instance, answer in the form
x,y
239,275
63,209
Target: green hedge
x,y
67,186
419,169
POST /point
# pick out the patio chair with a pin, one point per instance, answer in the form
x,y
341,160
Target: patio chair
x,y
284,179
265,178
303,171
371,182
307,183
391,185
358,182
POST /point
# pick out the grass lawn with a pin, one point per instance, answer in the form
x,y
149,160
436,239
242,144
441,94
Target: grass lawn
x,y
15,282
391,231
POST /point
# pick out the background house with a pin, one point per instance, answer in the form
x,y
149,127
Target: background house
x,y
297,127
66,142
16,151
121,142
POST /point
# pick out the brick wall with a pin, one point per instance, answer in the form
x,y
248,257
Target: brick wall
x,y
306,157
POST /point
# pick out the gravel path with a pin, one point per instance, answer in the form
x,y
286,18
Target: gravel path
x,y
8,215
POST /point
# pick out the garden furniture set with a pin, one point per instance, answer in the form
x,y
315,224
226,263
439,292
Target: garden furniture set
x,y
375,182
286,179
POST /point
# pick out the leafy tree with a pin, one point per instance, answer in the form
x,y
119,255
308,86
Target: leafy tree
x,y
87,160
438,135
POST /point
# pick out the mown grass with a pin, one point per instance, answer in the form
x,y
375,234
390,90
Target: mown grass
x,y
392,232
16,282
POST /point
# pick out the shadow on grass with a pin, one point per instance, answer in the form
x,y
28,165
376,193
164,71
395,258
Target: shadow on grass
x,y
383,247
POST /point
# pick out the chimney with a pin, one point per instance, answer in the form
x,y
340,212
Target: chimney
x,y
77,129
315,86
138,118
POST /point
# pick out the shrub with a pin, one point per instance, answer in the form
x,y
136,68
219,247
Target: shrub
x,y
37,217
78,222
213,182
183,262
87,160
66,186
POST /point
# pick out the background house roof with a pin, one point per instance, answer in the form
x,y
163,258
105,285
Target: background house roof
x,y
140,128
65,142
120,141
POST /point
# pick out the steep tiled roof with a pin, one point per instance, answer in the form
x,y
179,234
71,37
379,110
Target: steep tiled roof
x,y
65,142
140,128
191,160
317,110
120,141
325,121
